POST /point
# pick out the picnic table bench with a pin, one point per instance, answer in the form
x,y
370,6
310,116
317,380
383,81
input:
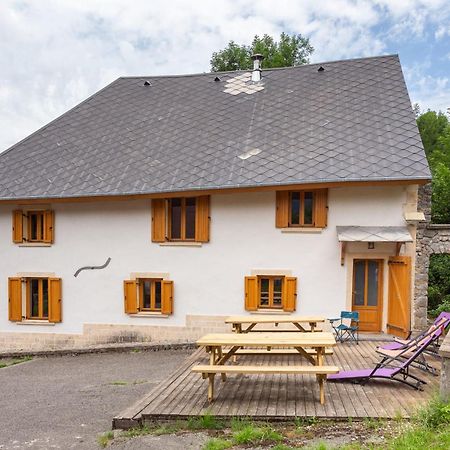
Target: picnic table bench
x,y
299,322
311,346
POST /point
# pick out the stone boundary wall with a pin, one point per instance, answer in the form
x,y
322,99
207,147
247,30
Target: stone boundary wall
x,y
431,239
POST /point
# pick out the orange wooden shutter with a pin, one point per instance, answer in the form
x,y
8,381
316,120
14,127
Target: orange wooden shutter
x,y
15,299
54,300
321,208
282,209
202,219
290,294
48,226
158,220
167,297
17,227
251,293
399,296
130,296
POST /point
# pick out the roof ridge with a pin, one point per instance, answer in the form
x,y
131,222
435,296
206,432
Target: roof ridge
x,y
186,75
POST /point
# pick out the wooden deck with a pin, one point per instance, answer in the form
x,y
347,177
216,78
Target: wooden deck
x,y
280,397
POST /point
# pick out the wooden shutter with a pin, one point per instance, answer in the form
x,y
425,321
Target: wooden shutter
x,y
167,297
282,209
251,293
48,226
290,294
15,299
130,296
202,219
17,226
399,296
320,208
158,220
54,300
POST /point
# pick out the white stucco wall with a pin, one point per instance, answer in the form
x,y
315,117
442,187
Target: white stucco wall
x,y
208,279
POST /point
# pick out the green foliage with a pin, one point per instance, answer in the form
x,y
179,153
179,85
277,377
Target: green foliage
x,y
421,438
253,434
217,444
205,422
13,362
104,439
435,133
439,284
432,126
435,414
440,199
289,50
135,432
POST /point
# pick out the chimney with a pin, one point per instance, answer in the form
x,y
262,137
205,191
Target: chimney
x,y
257,59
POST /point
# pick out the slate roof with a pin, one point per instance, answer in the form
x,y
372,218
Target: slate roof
x,y
351,121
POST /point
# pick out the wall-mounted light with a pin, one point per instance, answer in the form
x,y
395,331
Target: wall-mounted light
x,y
371,245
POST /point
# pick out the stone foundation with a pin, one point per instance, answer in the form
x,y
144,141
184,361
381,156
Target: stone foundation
x,y
431,239
98,335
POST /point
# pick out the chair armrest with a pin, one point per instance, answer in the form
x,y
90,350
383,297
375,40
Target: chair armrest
x,y
333,320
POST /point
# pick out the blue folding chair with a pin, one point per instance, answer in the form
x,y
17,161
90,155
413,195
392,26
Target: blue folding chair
x,y
346,327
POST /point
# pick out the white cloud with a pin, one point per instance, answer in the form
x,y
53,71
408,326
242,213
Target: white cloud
x,y
53,54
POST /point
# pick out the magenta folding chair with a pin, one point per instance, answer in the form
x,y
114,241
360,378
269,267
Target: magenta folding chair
x,y
386,370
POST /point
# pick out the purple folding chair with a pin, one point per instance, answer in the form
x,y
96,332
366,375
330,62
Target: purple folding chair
x,y
384,370
441,322
396,349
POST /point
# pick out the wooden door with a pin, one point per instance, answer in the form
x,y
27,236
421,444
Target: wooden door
x,y
367,296
398,322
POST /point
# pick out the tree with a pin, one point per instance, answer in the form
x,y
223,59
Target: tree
x,y
431,126
435,133
288,51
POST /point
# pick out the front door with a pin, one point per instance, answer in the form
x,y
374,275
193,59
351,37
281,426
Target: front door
x,y
398,322
368,293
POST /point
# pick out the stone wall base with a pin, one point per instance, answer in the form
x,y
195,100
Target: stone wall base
x,y
95,335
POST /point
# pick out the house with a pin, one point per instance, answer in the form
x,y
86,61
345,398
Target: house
x,y
282,190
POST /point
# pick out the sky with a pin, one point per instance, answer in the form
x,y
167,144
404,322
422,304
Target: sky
x,y
55,53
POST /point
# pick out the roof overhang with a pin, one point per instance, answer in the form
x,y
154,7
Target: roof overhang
x,y
212,191
373,234
397,235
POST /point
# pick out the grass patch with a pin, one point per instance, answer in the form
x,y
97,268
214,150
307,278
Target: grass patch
x,y
283,447
217,444
105,438
135,432
118,383
254,434
205,422
15,361
169,428
421,438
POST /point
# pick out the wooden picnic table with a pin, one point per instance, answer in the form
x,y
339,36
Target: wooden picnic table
x,y
311,346
237,322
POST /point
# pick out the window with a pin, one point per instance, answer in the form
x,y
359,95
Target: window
x,y
148,295
180,219
33,226
270,292
39,298
301,208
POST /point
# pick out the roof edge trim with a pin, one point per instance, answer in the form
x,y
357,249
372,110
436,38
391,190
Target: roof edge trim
x,y
214,190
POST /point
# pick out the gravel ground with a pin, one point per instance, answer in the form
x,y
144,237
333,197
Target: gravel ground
x,y
67,401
